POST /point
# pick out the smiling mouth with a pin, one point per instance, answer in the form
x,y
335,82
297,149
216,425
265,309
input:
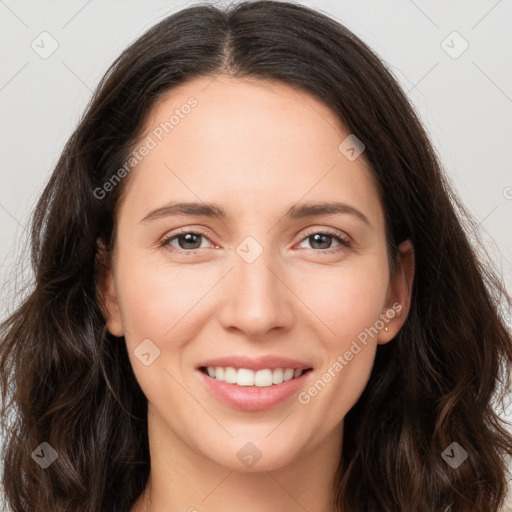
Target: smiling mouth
x,y
265,377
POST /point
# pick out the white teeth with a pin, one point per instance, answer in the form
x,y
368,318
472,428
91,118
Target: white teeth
x,y
277,376
244,377
219,373
230,375
263,378
260,378
288,374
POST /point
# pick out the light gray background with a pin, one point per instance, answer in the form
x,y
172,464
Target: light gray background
x,y
465,102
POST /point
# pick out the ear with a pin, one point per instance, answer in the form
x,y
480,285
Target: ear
x,y
399,295
106,290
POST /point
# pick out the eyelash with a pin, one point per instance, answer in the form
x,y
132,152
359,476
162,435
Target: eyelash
x,y
344,241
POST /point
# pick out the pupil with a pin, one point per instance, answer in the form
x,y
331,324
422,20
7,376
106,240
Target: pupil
x,y
190,238
325,245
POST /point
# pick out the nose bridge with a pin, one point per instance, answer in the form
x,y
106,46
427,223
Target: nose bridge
x,y
256,284
257,300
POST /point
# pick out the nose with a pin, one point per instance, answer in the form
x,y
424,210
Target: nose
x,y
256,297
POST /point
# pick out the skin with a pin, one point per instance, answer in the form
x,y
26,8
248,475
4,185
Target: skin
x,y
255,148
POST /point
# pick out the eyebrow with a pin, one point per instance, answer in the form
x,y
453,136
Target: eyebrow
x,y
213,210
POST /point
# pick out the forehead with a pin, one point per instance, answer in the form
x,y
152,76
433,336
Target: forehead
x,y
266,143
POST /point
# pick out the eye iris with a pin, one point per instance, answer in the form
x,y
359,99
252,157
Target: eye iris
x,y
193,240
190,238
325,245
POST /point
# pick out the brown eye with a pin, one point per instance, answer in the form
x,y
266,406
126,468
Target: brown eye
x,y
187,241
321,242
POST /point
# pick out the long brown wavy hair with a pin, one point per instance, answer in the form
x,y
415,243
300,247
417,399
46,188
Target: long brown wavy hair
x,y
68,382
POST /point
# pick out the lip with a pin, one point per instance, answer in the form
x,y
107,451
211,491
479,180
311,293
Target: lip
x,y
256,363
253,398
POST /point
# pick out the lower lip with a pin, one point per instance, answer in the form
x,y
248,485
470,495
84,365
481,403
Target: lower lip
x,y
253,398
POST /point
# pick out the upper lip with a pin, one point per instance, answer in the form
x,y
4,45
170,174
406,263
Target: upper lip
x,y
256,363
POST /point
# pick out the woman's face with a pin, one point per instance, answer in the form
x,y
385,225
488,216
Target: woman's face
x,y
270,284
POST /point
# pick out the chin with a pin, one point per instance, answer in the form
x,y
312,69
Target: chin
x,y
251,456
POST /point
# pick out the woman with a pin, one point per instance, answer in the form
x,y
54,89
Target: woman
x,y
184,348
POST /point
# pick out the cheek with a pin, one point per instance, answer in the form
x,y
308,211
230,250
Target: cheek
x,y
338,387
157,303
346,300
349,301
156,300
162,305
